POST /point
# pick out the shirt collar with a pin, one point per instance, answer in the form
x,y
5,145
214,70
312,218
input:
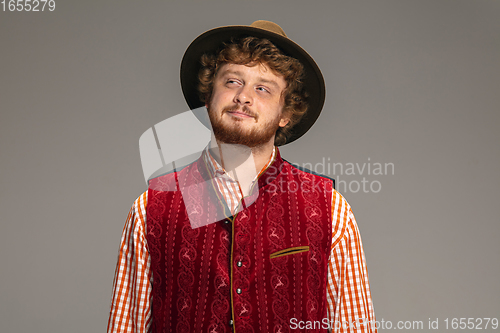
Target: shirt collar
x,y
218,171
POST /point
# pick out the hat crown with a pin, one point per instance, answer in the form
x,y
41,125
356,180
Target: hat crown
x,y
269,26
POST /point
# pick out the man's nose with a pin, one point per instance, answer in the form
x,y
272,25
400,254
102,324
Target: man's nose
x,y
244,96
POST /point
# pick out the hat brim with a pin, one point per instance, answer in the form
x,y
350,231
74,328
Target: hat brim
x,y
210,42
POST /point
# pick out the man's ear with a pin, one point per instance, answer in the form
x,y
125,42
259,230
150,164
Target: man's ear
x,y
284,122
285,118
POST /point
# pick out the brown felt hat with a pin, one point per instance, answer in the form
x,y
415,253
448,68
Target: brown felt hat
x,y
211,41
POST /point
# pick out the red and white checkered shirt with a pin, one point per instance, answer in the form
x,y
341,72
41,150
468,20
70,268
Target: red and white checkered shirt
x,y
350,307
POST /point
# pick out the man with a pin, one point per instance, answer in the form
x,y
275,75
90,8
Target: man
x,y
285,254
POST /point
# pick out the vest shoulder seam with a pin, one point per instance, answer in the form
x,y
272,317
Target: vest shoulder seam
x,y
301,168
174,170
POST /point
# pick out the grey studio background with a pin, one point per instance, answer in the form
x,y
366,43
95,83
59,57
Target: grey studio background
x,y
412,84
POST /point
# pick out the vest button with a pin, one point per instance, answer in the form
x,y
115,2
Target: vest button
x,y
238,291
226,221
231,322
239,264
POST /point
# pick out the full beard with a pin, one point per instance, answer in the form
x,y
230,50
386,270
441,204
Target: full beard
x,y
235,133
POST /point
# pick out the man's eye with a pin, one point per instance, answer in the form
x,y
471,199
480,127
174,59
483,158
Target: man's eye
x,y
262,89
231,81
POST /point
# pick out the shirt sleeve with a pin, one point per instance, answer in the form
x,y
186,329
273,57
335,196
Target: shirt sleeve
x,y
132,285
350,307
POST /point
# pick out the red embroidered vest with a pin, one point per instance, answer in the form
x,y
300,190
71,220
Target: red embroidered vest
x,y
259,271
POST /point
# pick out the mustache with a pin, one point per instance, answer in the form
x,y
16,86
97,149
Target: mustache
x,y
244,109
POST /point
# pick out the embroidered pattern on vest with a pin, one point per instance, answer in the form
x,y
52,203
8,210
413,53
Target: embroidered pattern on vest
x,y
220,305
314,234
279,279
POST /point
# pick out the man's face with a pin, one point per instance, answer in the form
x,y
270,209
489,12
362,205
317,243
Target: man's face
x,y
247,104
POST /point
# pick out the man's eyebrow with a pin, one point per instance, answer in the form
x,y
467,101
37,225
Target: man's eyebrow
x,y
272,82
230,71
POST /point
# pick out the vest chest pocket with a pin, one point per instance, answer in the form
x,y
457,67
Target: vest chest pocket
x,y
290,250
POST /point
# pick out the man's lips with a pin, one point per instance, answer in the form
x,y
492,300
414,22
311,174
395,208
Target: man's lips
x,y
238,113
